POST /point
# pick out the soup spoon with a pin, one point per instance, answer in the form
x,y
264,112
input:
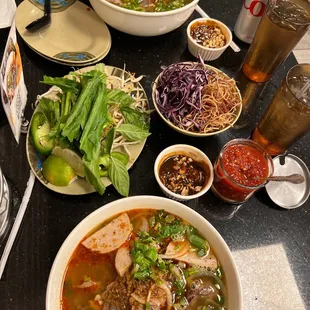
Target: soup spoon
x,y
295,178
43,21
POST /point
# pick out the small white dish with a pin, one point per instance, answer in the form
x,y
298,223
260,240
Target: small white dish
x,y
194,153
207,53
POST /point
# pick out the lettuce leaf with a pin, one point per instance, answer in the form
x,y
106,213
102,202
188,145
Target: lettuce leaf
x,y
81,109
98,117
92,170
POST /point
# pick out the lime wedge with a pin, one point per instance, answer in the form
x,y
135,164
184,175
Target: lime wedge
x,y
57,172
72,159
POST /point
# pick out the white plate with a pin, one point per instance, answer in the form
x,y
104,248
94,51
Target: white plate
x,y
75,64
80,186
76,34
219,246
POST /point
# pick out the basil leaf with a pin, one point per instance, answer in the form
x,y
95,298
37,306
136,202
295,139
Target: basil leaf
x,y
124,158
109,140
65,84
135,117
132,133
116,96
119,176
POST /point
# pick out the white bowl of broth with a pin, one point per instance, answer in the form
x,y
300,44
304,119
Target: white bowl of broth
x,y
187,260
148,18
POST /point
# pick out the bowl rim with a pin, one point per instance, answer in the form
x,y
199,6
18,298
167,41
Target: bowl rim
x,y
120,206
185,148
186,132
228,40
148,14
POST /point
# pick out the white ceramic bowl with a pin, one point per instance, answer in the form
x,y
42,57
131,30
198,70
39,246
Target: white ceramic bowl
x,y
142,23
206,53
190,133
192,152
219,246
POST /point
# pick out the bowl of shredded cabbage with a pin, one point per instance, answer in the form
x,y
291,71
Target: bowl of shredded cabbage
x,y
145,17
196,99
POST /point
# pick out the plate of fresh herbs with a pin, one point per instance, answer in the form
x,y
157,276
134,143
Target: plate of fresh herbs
x,y
88,130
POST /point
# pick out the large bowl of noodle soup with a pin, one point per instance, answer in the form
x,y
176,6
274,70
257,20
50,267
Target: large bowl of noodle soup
x,y
196,99
138,205
142,23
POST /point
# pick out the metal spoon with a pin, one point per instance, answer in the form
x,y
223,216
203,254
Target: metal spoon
x,y
43,21
293,178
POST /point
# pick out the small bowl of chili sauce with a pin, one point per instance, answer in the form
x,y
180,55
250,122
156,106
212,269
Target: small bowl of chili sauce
x,y
241,169
208,38
183,172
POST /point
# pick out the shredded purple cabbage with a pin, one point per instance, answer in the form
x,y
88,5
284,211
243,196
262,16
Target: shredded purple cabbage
x,y
179,92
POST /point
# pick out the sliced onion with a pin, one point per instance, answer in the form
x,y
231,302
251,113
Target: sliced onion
x,y
138,298
176,249
163,285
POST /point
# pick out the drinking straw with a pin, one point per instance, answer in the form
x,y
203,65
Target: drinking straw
x,y
17,222
233,45
303,90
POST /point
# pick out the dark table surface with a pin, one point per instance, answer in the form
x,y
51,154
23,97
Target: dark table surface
x,y
270,245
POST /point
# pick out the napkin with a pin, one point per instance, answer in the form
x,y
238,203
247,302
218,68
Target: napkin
x,y
12,85
7,12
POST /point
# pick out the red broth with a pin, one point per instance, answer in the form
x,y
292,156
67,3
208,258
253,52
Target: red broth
x,y
88,267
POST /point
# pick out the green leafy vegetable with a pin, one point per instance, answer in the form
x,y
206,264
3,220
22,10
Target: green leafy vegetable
x,y
132,133
119,176
124,158
92,171
98,117
134,117
65,84
109,140
80,112
51,109
117,96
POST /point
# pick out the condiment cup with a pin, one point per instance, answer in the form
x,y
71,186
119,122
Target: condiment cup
x,y
195,154
207,53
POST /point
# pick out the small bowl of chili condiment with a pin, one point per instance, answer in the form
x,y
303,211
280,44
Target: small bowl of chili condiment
x,y
208,38
183,172
240,170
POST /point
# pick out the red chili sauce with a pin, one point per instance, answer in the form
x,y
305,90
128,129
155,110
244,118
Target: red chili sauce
x,y
246,166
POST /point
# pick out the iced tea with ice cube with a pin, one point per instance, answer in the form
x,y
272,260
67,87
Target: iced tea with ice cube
x,y
287,118
280,29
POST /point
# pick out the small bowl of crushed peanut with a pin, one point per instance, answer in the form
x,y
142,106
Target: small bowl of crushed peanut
x,y
208,38
183,172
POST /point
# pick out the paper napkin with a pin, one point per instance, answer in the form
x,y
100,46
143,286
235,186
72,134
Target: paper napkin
x,y
7,12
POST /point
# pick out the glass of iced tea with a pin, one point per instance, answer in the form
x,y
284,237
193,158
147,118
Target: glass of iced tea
x,y
287,118
240,170
280,29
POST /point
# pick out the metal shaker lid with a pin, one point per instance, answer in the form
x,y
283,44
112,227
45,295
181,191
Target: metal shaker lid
x,y
285,194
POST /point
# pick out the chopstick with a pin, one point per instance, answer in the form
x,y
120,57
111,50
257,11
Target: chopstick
x,y
233,45
17,222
